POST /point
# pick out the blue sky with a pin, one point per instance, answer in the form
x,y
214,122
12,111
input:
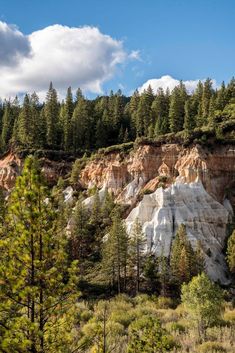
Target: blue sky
x,y
186,39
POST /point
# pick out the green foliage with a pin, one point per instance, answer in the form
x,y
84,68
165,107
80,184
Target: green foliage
x,y
109,122
147,335
211,347
115,254
203,301
231,252
137,247
37,287
184,262
176,109
51,116
150,271
78,165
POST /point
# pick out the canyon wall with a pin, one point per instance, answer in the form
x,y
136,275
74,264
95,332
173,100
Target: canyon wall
x,y
163,186
169,185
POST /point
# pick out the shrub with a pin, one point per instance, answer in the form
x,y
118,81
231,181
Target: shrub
x,y
162,178
147,335
230,316
211,347
164,303
78,165
175,327
124,147
203,301
147,191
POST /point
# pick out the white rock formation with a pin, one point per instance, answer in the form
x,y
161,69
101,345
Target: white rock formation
x,y
161,213
68,195
88,202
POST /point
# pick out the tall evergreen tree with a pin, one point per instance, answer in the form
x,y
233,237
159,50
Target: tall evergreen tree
x,y
9,120
26,127
144,114
160,112
37,287
137,248
183,262
52,116
115,254
190,109
206,96
81,128
67,127
176,110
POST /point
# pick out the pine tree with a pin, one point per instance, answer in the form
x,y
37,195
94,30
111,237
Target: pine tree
x,y
222,97
100,134
190,109
37,287
164,275
26,126
212,110
198,98
81,239
132,109
81,129
176,110
107,209
136,252
231,89
151,272
9,120
38,122
52,116
68,113
160,112
115,254
144,114
182,261
206,96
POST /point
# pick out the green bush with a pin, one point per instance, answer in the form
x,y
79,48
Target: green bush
x,y
147,335
147,191
124,147
230,316
211,347
164,303
175,327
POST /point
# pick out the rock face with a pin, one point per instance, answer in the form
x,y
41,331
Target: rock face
x,y
164,186
10,167
194,186
145,167
162,212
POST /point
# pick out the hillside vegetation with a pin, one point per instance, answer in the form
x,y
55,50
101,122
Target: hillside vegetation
x,y
72,279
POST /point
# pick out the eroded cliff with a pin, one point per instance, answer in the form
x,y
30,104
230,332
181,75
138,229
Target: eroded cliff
x,y
169,185
163,187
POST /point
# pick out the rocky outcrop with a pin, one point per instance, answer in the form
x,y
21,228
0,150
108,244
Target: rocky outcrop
x,y
168,185
162,212
164,186
10,167
127,176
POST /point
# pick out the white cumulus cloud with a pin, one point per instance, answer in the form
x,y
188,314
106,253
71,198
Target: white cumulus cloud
x,y
168,81
68,56
13,45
